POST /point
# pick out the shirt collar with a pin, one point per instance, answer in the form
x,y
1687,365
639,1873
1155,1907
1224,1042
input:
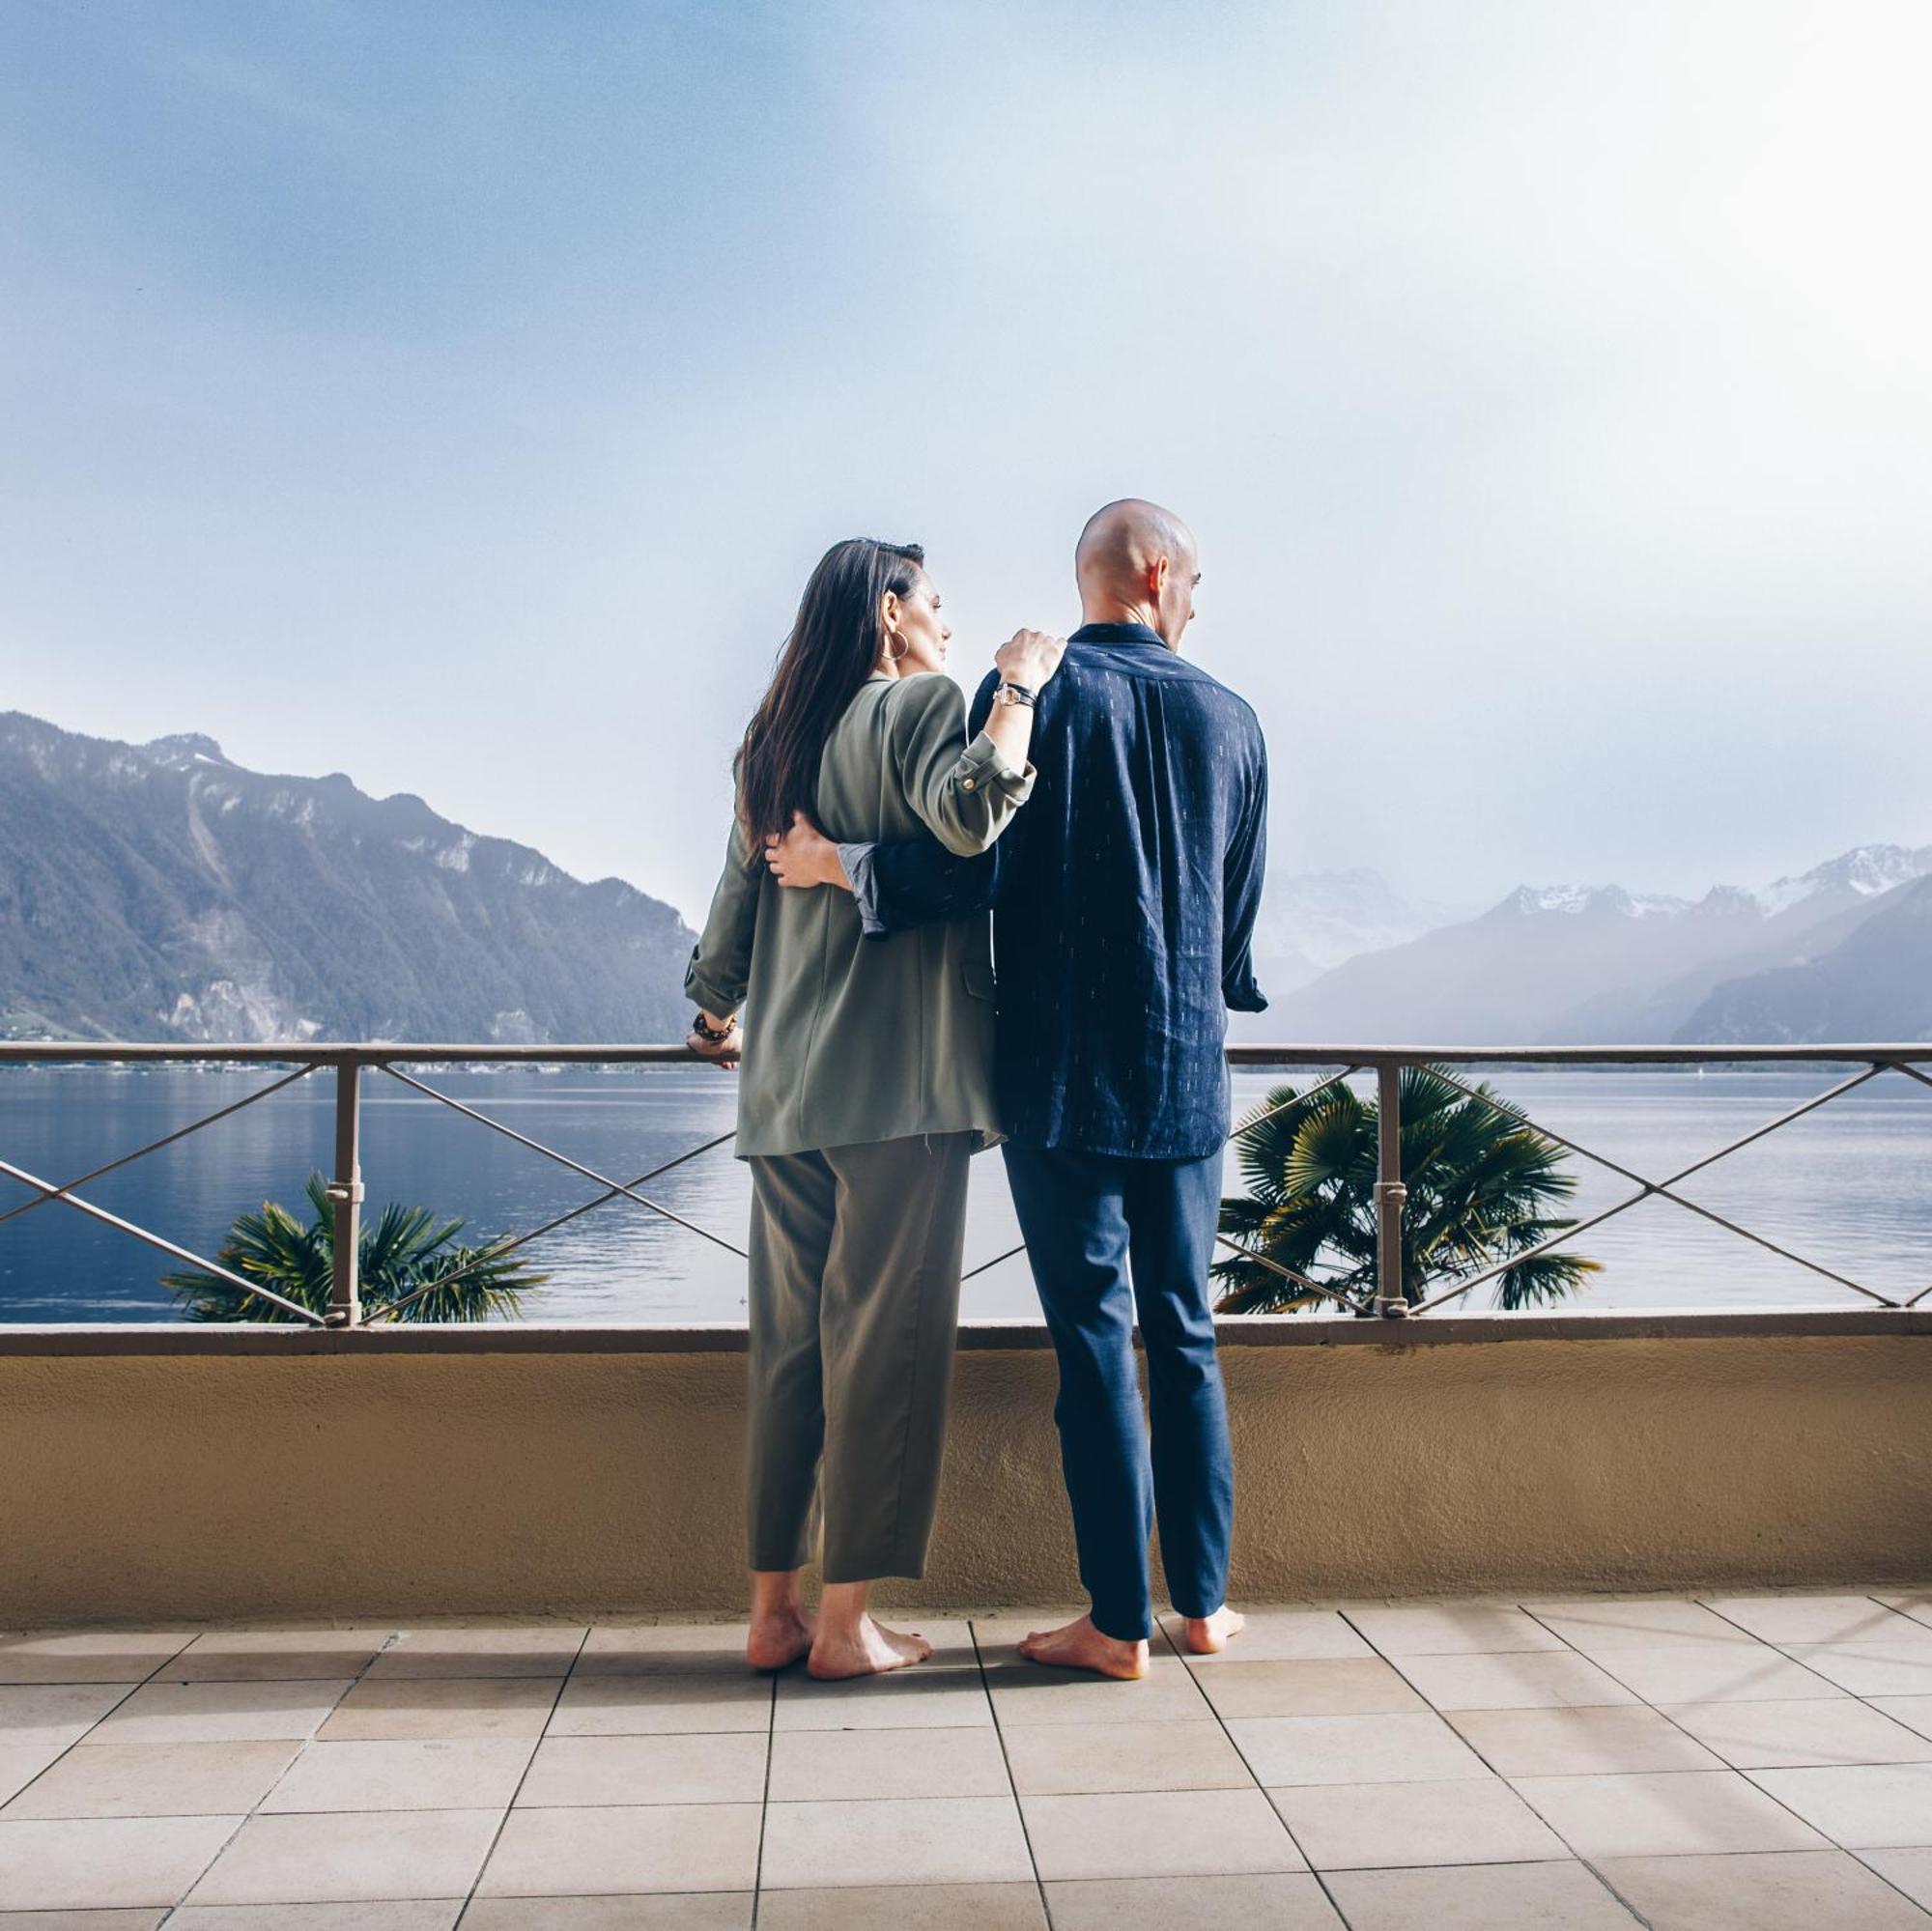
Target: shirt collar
x,y
1118,634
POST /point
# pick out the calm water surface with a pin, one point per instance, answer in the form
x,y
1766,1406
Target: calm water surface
x,y
1849,1186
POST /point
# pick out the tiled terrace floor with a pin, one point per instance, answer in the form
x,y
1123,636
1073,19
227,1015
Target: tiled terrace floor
x,y
1754,1762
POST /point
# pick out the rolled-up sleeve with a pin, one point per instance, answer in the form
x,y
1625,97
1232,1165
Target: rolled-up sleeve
x,y
863,876
721,962
965,792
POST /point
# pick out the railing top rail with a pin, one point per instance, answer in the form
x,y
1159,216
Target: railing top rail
x,y
336,1053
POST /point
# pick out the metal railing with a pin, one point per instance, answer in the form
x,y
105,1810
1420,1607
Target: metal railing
x,y
1387,1063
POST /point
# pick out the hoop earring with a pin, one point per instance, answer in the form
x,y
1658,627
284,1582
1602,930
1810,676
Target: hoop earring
x,y
894,655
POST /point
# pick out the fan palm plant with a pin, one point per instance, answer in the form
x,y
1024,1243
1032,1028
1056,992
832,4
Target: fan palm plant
x,y
402,1251
1480,1186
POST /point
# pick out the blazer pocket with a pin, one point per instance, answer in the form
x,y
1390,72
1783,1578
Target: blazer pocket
x,y
980,977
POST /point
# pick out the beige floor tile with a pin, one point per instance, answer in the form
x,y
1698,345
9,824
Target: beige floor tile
x,y
645,1847
343,1856
416,1914
930,1696
1350,1686
1909,1871
827,1765
21,1763
156,1780
1808,1619
509,1648
931,1907
1165,1833
1354,1749
1450,1629
258,1655
1819,1730
82,1921
436,1774
1669,1813
725,1768
51,1716
1271,1901
1641,1623
1590,1741
1914,1712
1085,1759
1714,1673
660,1649
647,1706
1281,1635
1883,1805
1024,1692
474,1706
100,1862
1527,1679
686,1911
896,1841
219,1713
1364,1826
1479,1897
1793,1890
1914,1603
88,1655
1871,1669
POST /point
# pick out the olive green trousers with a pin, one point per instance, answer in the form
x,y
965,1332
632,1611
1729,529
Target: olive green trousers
x,y
854,1312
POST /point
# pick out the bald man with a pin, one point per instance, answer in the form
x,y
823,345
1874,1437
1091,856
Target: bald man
x,y
1124,903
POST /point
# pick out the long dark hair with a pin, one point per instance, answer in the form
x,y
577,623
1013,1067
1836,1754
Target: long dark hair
x,y
836,642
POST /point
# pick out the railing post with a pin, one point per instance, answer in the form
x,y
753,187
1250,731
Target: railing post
x,y
1390,1193
344,1191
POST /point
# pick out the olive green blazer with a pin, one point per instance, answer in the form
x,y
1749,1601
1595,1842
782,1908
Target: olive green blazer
x,y
850,1039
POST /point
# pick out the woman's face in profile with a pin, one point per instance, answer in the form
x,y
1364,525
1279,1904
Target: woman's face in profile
x,y
922,629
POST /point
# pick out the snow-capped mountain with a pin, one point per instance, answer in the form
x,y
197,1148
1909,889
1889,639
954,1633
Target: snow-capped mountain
x,y
1577,964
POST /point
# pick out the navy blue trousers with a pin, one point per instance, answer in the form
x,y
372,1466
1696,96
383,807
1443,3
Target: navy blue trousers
x,y
1107,1237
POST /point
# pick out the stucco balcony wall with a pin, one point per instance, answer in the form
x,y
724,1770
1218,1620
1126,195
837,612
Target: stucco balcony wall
x,y
184,1471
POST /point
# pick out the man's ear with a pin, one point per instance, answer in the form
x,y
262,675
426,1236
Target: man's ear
x,y
1157,574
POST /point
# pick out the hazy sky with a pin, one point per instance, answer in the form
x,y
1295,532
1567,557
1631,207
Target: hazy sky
x,y
457,394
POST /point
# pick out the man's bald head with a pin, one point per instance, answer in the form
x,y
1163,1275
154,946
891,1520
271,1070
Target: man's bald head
x,y
1136,563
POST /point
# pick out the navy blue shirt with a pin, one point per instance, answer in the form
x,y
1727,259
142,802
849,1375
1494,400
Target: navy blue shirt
x,y
1123,901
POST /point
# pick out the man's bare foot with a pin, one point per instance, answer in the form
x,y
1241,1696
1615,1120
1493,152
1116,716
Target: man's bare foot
x,y
778,1640
1205,1635
1081,1646
872,1650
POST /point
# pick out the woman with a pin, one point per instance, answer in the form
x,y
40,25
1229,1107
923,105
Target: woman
x,y
868,1087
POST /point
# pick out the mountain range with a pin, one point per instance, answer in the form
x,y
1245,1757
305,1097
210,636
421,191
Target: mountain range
x,y
1803,958
161,892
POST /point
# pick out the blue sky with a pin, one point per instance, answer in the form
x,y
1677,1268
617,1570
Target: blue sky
x,y
458,395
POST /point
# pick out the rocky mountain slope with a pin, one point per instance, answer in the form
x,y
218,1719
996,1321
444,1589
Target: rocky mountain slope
x,y
161,892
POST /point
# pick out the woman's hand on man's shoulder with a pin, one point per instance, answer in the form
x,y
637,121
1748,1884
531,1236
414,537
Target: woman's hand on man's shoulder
x,y
1029,657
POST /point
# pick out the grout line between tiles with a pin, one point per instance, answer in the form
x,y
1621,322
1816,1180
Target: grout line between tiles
x,y
496,1836
765,1800
1334,1902
1012,1785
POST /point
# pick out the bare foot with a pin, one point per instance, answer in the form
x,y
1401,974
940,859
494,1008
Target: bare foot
x,y
779,1639
1081,1646
870,1651
1205,1635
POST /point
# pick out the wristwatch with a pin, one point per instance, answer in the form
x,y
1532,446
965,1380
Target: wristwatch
x,y
1016,694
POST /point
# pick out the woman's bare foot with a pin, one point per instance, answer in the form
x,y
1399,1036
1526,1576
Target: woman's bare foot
x,y
779,1639
870,1650
1205,1635
1081,1646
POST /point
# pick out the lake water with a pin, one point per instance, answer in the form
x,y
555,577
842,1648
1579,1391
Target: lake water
x,y
1849,1186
